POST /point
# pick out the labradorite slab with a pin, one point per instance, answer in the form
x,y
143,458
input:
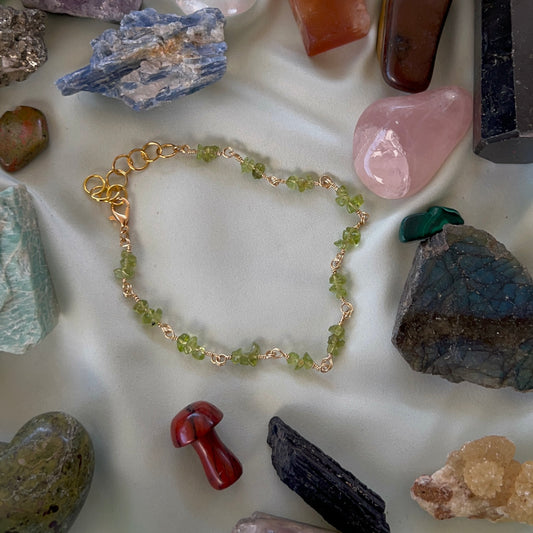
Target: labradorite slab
x,y
28,306
466,312
45,475
423,225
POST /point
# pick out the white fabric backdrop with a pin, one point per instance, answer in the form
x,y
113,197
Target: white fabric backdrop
x,y
233,260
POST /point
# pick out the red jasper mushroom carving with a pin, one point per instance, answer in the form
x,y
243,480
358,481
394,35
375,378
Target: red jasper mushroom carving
x,y
195,425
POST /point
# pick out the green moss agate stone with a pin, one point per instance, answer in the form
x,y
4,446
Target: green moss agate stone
x,y
28,306
45,475
466,312
424,225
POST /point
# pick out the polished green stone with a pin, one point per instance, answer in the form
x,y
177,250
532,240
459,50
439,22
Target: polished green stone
x,y
45,475
423,225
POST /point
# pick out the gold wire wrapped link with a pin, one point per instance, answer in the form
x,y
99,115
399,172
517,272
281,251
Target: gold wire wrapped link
x,y
168,332
112,189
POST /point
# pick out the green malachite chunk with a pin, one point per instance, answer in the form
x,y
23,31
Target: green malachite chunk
x,y
424,225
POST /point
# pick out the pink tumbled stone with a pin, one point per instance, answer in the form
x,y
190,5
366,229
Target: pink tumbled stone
x,y
400,142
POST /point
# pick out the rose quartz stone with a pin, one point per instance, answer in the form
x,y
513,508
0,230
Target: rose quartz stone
x,y
400,142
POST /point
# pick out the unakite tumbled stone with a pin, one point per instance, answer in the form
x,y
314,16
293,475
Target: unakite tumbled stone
x,y
45,475
28,306
424,225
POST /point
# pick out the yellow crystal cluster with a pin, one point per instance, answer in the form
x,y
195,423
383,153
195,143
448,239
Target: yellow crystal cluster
x,y
481,480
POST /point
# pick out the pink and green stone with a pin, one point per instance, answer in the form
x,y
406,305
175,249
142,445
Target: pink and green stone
x,y
23,136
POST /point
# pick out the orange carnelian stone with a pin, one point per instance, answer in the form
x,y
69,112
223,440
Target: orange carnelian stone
x,y
326,25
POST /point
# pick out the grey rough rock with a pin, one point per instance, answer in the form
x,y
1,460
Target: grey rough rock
x,y
344,501
265,523
109,10
22,48
466,312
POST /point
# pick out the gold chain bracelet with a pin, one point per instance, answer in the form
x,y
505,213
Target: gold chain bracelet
x,y
113,190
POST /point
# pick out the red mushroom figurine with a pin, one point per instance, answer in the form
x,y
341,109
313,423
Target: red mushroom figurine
x,y
195,424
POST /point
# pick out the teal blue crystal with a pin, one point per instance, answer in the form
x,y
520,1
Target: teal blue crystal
x,y
28,306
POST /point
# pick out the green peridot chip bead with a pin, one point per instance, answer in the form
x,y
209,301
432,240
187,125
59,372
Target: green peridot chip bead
x,y
292,183
337,330
247,165
152,316
198,353
141,307
207,153
258,171
354,203
182,341
293,358
308,361
337,282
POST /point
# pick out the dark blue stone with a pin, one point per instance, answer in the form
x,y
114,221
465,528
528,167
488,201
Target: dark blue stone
x,y
342,499
153,58
466,312
503,96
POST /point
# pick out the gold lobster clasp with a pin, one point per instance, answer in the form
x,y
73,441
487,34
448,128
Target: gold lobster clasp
x,y
120,210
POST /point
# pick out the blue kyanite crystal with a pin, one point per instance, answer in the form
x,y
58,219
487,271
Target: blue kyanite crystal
x,y
28,307
153,58
466,312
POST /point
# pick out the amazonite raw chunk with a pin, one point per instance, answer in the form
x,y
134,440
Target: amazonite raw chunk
x,y
28,306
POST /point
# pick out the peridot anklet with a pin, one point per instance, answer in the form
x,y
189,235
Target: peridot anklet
x,y
104,189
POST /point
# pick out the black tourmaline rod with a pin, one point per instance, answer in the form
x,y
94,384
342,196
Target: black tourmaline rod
x,y
503,92
335,493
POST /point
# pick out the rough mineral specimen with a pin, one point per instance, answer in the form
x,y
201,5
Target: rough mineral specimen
x,y
503,96
265,523
395,151
153,58
229,8
97,9
22,48
45,475
326,25
408,37
23,136
28,307
481,480
344,501
466,312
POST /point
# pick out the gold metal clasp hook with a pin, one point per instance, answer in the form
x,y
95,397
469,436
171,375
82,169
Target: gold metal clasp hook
x,y
120,212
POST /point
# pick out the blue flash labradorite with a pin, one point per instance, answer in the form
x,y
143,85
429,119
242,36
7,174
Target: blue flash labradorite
x,y
466,312
424,225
